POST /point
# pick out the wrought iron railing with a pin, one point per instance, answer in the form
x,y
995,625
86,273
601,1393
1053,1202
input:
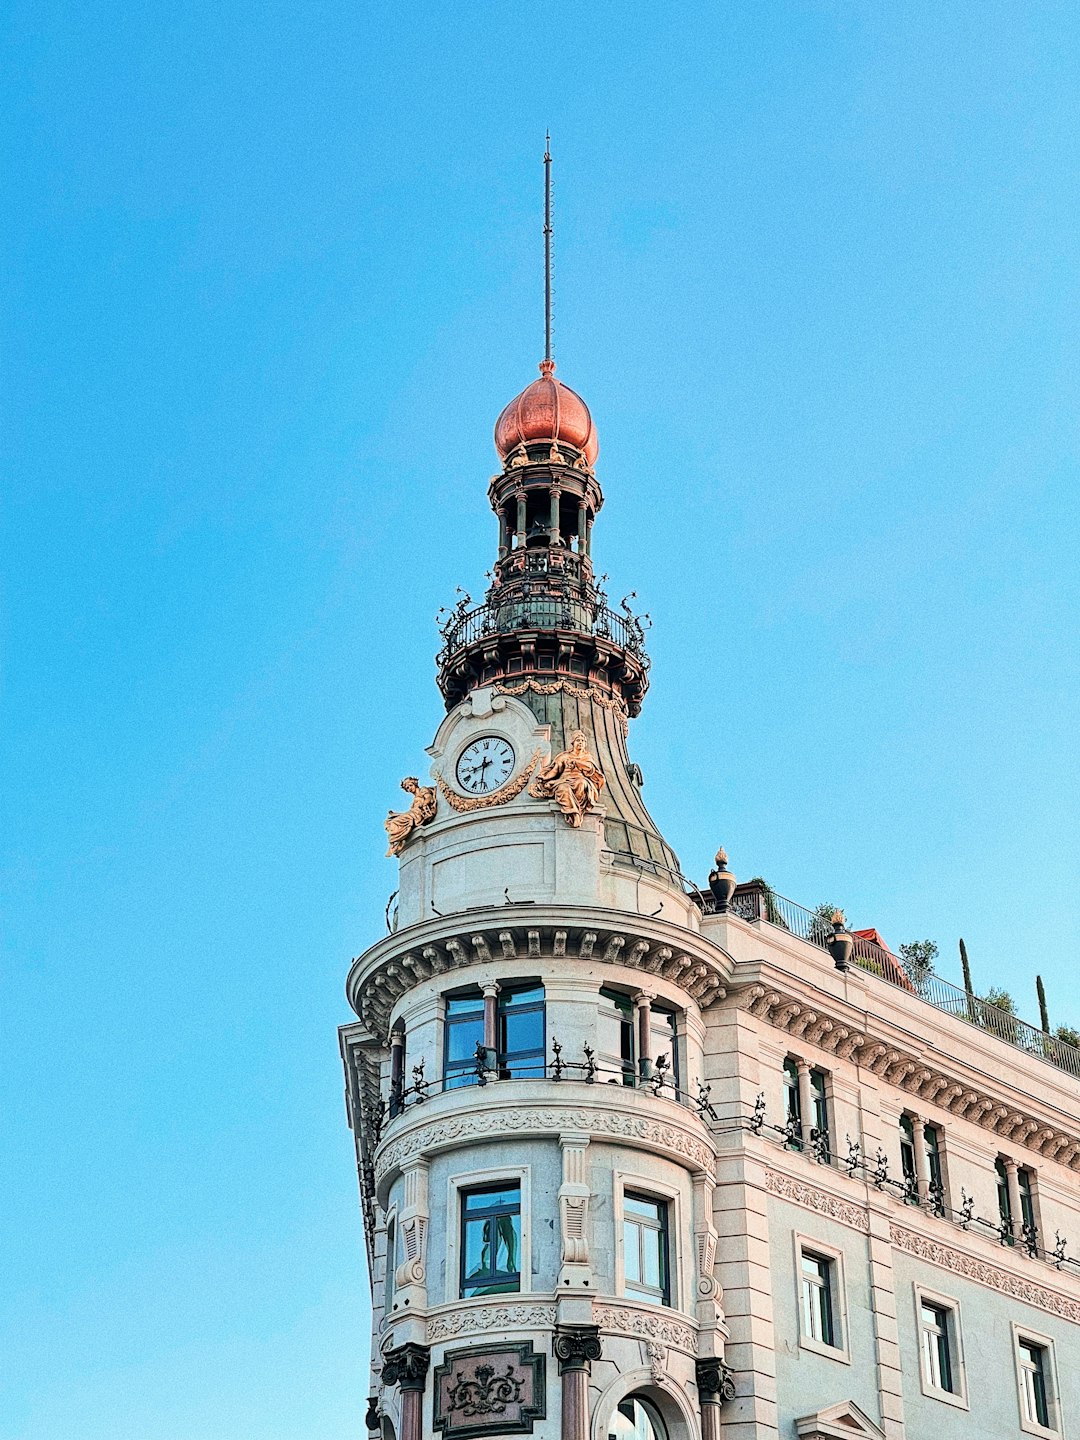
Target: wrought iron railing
x,y
489,1069
544,604
755,901
1023,1236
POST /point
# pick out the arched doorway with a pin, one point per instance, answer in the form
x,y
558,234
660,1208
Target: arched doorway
x,y
636,1418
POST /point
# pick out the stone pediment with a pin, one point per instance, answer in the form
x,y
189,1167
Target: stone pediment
x,y
844,1421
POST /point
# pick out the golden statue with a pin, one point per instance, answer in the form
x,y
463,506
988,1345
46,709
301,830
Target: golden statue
x,y
400,824
573,779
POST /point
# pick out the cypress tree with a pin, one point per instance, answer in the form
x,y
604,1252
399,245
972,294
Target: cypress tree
x,y
1044,1014
966,968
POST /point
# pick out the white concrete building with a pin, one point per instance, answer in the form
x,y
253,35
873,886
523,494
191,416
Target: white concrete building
x,y
639,1159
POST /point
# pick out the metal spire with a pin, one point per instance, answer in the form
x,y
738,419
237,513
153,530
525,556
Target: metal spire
x,y
547,246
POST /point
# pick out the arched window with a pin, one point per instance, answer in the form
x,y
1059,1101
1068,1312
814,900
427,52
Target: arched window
x,y
637,1419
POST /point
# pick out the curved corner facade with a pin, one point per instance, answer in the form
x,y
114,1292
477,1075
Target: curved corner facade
x,y
646,1161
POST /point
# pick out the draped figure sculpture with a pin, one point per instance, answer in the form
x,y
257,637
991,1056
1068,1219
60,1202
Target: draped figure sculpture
x,y
400,824
572,779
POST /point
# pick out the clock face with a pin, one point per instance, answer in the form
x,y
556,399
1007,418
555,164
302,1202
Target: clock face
x,y
485,765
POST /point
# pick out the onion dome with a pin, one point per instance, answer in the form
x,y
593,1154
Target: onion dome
x,y
547,410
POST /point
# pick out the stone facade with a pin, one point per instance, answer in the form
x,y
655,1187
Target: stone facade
x,y
632,1162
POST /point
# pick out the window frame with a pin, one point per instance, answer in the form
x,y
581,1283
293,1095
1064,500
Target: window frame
x,y
492,1212
834,1258
626,1062
954,1341
460,1074
655,1191
521,1175
650,1295
1023,1334
390,1242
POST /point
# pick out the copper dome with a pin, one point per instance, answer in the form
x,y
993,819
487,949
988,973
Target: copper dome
x,y
547,410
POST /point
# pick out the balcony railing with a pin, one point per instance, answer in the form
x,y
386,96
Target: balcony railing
x,y
490,1069
755,901
544,604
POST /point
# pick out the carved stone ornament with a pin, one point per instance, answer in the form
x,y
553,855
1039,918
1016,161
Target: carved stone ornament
x,y
647,1325
567,687
401,824
489,1390
1016,1286
657,1354
406,1367
715,1382
811,1198
576,1346
647,1133
572,779
465,804
484,1319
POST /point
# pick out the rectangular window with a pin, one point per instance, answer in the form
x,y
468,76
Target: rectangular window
x,y
464,1032
491,1240
645,1248
931,1139
935,1322
616,1050
520,1037
1034,1383
1004,1199
821,1115
907,1159
522,1045
818,1297
665,1041
792,1105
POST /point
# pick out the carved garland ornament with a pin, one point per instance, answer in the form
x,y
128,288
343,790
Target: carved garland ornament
x,y
811,1198
993,1276
464,804
566,687
500,1318
655,1135
653,1329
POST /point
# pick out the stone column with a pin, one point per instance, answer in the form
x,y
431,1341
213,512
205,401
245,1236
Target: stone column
x,y
397,1069
1016,1209
504,531
588,536
576,1347
581,527
922,1167
491,1025
806,1102
407,1368
520,536
644,1036
715,1384
556,495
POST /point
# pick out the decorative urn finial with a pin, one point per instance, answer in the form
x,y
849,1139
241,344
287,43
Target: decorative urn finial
x,y
840,942
722,883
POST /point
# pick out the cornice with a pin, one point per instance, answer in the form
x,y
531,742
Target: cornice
x,y
481,1320
867,1041
401,961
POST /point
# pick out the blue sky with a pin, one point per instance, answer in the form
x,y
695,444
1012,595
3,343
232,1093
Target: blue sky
x,y
271,272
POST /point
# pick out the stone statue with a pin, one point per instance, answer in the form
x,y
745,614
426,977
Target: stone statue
x,y
573,779
400,824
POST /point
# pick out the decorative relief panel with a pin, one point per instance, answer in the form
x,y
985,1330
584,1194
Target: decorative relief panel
x,y
646,1325
500,1317
652,1134
811,1198
489,1390
1018,1286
